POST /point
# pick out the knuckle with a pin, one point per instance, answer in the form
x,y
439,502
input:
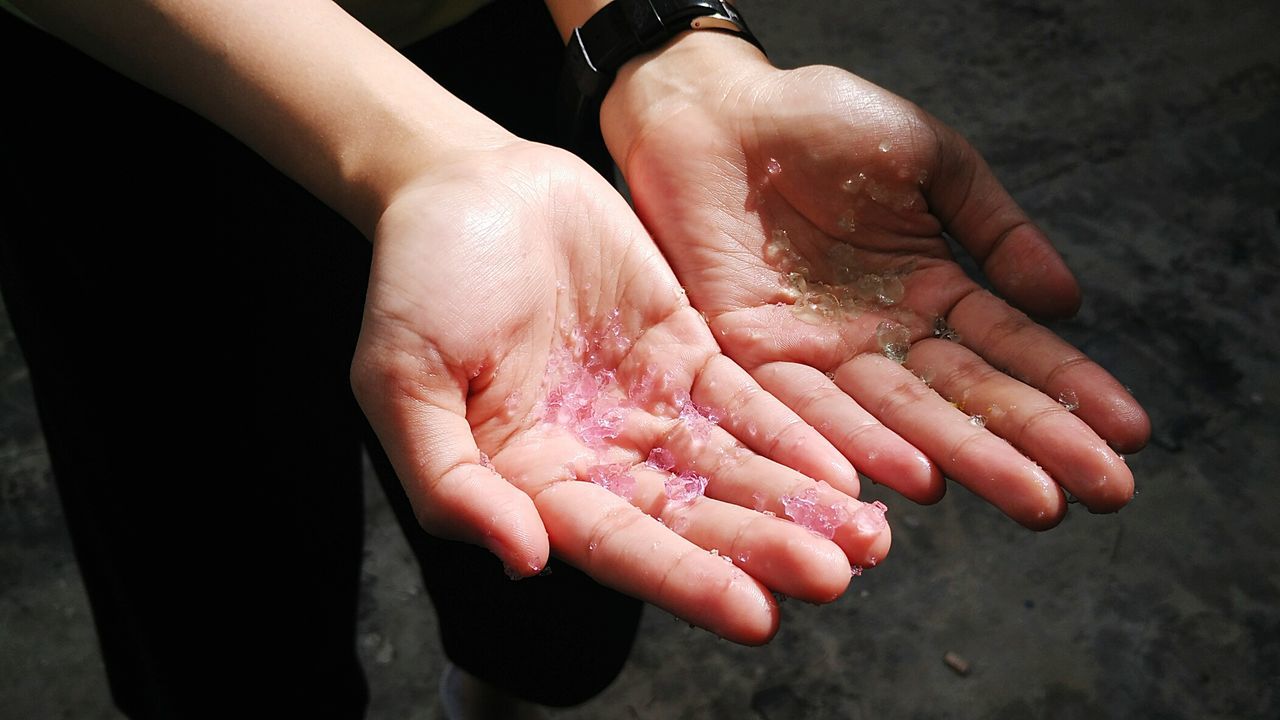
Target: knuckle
x,y
902,396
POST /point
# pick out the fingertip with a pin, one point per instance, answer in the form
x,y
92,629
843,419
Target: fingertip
x,y
1112,490
524,551
477,505
879,548
1046,517
873,554
866,538
766,627
1030,497
932,493
744,611
918,479
1130,429
826,574
843,477
761,625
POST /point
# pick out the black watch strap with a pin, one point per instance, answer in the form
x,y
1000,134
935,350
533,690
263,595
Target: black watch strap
x,y
620,31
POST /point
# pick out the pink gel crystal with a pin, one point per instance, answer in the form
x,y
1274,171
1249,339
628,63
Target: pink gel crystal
x,y
615,477
805,510
662,459
641,389
582,403
698,419
869,518
586,398
685,487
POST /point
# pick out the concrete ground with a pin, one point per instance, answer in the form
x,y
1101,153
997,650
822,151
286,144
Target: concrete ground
x,y
1145,138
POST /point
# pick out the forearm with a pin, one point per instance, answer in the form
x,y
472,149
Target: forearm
x,y
317,94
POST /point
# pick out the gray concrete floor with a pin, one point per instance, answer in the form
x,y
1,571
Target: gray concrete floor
x,y
1145,138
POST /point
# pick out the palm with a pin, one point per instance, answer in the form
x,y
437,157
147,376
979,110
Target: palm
x,y
805,216
587,359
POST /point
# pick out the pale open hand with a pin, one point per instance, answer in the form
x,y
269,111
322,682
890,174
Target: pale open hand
x,y
804,212
517,307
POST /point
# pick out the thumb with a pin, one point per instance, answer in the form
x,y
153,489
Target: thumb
x,y
454,491
1014,254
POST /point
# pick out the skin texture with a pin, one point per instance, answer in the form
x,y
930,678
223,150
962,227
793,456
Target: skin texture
x,y
721,150
454,359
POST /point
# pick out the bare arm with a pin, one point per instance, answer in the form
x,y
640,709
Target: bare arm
x,y
301,82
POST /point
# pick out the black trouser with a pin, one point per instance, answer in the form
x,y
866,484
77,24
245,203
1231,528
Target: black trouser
x,y
189,315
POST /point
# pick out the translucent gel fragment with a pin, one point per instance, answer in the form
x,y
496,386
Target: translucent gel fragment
x,y
685,487
977,421
605,426
1068,400
869,519
805,510
586,400
880,192
511,403
697,419
885,145
891,290
616,478
773,167
869,287
778,248
942,330
848,221
816,307
641,389
796,281
843,255
661,459
894,340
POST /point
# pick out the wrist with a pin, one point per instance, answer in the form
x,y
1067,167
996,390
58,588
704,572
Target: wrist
x,y
410,148
695,68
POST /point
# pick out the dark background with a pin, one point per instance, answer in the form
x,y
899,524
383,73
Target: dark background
x,y
1144,138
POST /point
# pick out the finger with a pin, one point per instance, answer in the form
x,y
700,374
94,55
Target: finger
x,y
1035,424
875,450
622,547
454,492
970,455
736,475
1008,339
767,426
1014,254
784,556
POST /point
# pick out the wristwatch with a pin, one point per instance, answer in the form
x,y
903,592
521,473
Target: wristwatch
x,y
618,32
